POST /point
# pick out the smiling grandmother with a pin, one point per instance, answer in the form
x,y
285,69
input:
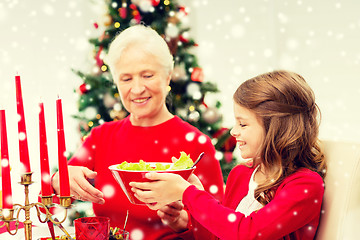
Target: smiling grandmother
x,y
141,65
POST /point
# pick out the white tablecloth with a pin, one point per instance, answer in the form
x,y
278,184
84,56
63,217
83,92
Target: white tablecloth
x,y
37,232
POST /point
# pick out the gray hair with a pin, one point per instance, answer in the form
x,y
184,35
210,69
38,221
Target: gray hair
x,y
144,37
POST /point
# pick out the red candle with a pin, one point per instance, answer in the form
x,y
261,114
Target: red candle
x,y
44,158
63,167
23,146
5,165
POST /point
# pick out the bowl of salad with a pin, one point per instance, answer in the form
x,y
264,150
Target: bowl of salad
x,y
126,172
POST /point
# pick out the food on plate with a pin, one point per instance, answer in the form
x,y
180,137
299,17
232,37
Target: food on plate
x,y
184,162
143,166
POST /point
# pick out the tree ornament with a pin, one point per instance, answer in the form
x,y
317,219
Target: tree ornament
x,y
179,73
90,113
117,107
183,39
228,142
173,20
114,5
194,116
83,88
99,61
181,112
183,10
192,89
155,2
228,156
171,31
173,45
197,74
211,115
106,20
83,125
137,16
117,115
146,6
123,12
133,6
104,68
109,101
96,70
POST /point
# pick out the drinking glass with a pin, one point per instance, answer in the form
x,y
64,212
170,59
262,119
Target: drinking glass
x,y
92,228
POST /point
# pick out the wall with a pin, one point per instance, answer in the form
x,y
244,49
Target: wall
x,y
317,39
41,41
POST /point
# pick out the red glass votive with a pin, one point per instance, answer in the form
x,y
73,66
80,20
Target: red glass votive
x,y
92,228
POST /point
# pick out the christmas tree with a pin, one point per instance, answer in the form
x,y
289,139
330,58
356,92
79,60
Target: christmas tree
x,y
98,97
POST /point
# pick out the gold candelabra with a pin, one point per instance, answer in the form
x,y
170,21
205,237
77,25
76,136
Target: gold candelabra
x,y
7,215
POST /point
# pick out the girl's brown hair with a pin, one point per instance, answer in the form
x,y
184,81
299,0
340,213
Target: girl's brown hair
x,y
286,105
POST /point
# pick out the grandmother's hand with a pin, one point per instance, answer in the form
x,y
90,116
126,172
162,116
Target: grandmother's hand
x,y
80,187
164,189
174,216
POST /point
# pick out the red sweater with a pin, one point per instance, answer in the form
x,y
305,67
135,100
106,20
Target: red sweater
x,y
293,213
118,141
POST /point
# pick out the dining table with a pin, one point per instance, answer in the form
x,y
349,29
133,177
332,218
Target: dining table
x,y
37,233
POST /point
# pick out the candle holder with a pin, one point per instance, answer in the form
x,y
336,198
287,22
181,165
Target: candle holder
x,y
7,215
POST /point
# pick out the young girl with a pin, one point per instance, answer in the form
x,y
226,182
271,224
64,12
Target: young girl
x,y
279,195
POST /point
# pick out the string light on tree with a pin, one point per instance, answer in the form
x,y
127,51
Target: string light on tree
x,y
117,25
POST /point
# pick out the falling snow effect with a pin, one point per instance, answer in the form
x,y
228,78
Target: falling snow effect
x,y
108,191
165,150
137,234
232,217
213,189
190,136
219,155
237,31
4,162
202,139
22,136
83,154
45,177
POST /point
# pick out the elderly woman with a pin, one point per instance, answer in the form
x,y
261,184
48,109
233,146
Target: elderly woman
x,y
141,66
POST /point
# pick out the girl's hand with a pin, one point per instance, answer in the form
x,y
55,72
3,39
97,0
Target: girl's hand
x,y
174,216
164,189
194,180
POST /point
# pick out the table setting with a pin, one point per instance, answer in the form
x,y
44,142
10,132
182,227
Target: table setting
x,y
50,227
10,211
